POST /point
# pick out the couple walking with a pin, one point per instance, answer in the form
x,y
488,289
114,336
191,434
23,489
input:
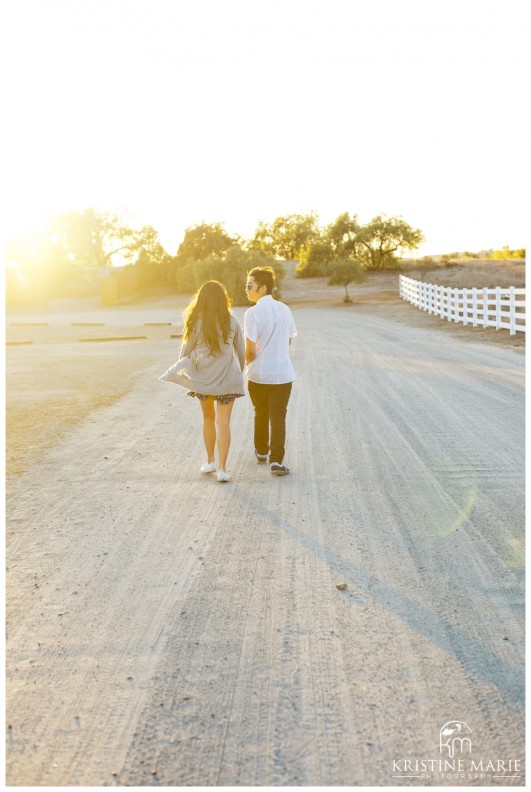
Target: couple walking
x,y
216,356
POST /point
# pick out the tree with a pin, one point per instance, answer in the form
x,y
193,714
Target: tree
x,y
80,235
286,236
314,260
263,241
345,272
96,239
231,269
379,240
342,236
338,242
153,261
236,265
204,240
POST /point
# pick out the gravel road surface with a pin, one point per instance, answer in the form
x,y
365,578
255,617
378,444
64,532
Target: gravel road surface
x,y
165,629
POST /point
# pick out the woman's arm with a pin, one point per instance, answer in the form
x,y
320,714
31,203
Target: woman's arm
x,y
239,344
187,346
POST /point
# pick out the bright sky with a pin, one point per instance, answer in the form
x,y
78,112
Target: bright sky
x,y
239,110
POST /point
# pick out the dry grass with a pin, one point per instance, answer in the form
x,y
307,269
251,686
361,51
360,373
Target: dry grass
x,y
470,273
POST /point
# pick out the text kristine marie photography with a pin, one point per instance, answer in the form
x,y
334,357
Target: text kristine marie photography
x,y
456,761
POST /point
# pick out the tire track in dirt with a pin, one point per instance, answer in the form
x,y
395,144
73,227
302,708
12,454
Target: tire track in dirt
x,y
282,666
122,609
473,655
210,646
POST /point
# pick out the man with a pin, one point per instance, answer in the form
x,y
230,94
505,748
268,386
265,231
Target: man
x,y
268,329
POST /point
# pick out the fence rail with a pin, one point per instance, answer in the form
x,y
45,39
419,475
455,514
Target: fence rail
x,y
499,308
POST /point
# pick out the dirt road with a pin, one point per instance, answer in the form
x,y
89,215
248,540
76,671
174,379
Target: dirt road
x,y
164,629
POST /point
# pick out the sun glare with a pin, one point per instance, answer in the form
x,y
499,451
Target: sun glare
x,y
185,116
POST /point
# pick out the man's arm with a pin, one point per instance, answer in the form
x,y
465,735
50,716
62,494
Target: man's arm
x,y
250,350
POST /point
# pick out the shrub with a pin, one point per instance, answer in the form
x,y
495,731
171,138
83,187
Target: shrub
x,y
231,269
314,260
344,272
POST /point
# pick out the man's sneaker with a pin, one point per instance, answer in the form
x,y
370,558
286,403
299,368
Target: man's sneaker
x,y
279,470
262,458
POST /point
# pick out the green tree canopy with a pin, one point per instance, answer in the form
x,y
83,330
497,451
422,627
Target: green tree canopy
x,y
379,241
230,269
153,262
374,245
263,241
336,243
286,236
341,236
314,259
202,241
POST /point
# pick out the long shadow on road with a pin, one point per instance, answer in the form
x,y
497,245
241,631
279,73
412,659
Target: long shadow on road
x,y
445,635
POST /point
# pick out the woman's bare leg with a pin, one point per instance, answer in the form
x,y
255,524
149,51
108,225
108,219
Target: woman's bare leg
x,y
223,431
209,427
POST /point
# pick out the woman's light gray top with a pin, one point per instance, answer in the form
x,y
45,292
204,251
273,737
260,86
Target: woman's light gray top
x,y
214,375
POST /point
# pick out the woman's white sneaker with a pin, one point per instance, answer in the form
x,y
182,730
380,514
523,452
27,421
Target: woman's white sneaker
x,y
208,467
223,476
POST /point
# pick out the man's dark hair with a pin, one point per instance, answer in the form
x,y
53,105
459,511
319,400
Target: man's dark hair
x,y
263,276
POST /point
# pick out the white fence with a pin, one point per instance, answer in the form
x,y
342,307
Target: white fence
x,y
499,308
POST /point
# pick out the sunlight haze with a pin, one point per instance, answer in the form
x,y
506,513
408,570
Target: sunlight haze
x,y
234,111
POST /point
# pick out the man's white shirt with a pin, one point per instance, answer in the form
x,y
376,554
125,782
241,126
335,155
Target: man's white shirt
x,y
269,324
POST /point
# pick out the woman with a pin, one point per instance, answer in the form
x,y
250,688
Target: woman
x,y
213,338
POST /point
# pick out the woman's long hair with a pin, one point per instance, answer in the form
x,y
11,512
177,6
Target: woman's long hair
x,y
212,304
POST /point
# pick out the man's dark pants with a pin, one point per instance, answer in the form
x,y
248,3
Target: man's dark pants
x,y
270,405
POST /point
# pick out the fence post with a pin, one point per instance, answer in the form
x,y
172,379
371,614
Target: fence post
x,y
485,307
498,307
465,306
512,311
452,297
475,306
